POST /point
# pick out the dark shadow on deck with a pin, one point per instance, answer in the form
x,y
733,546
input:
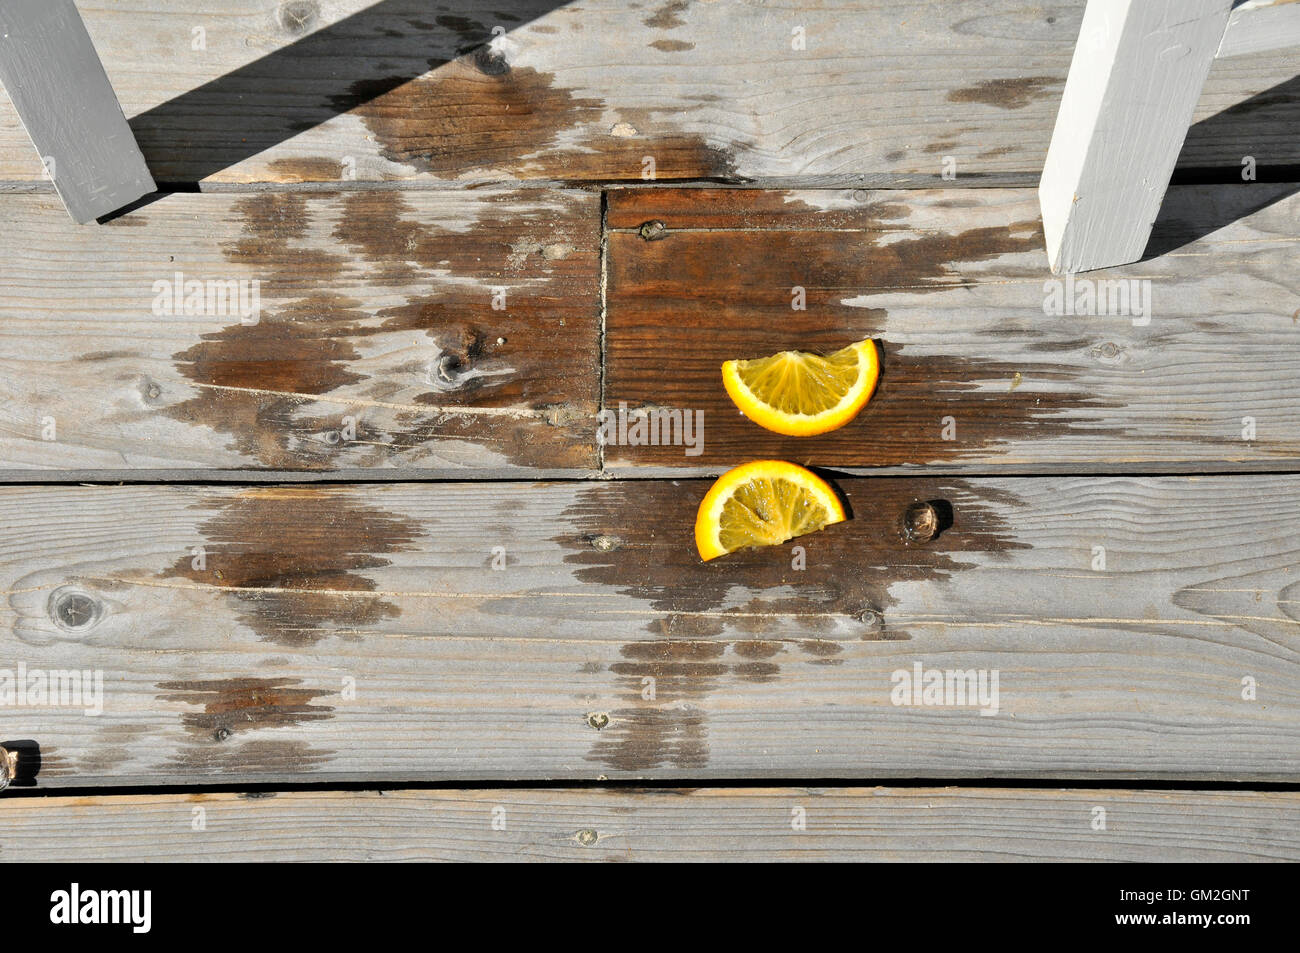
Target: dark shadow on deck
x,y
319,76
1186,214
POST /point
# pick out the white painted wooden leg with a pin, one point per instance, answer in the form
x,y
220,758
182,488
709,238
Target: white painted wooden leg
x,y
1137,73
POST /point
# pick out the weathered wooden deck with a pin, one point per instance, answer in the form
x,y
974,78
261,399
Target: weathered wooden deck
x,y
372,537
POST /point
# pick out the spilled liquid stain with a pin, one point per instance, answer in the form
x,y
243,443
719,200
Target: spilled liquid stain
x,y
230,707
712,296
305,169
253,757
242,704
292,559
460,119
1007,93
850,567
256,381
741,619
479,113
668,16
111,747
303,348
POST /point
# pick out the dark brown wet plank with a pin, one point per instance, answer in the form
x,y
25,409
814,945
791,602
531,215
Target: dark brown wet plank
x,y
422,331
1138,628
697,825
400,89
979,374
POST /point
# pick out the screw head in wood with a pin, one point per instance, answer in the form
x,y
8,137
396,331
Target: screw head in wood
x,y
653,231
921,522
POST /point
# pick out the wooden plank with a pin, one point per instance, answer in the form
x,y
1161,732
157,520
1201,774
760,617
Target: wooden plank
x,y
57,85
1258,26
1134,81
699,825
1136,628
375,307
314,91
987,365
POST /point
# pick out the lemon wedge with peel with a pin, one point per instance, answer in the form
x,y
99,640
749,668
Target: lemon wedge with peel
x,y
801,394
763,503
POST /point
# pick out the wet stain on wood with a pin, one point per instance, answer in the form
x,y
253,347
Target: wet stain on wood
x,y
1007,93
253,757
292,559
305,169
471,115
256,380
701,297
668,16
745,617
243,704
849,567
111,747
460,120
231,707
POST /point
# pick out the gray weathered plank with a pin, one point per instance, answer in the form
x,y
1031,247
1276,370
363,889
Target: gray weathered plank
x,y
1187,360
454,329
1140,628
703,824
290,91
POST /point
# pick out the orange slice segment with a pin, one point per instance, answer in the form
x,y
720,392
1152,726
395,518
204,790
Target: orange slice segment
x,y
763,503
801,394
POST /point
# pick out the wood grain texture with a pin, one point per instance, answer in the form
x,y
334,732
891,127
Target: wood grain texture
x,y
700,825
285,92
981,368
377,307
362,633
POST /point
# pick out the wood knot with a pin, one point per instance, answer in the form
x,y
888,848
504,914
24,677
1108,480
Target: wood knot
x,y
297,16
586,837
597,719
870,616
448,373
73,610
653,230
150,391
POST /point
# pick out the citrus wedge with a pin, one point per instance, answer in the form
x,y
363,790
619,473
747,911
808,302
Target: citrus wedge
x,y
801,394
762,504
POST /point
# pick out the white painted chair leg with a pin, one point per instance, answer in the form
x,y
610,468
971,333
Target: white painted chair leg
x,y
1137,73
